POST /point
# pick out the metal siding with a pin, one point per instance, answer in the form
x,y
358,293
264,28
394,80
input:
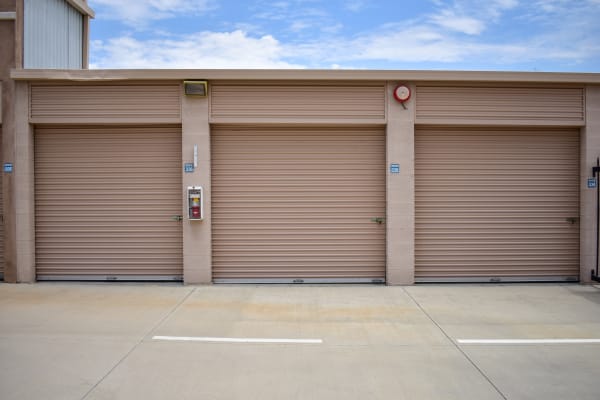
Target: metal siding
x,y
53,35
106,103
104,199
75,39
530,105
297,203
494,203
267,101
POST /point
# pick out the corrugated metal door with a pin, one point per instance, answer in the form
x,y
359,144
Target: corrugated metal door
x,y
104,202
296,204
497,204
1,221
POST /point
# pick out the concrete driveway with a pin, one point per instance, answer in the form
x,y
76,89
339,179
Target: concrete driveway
x,y
136,341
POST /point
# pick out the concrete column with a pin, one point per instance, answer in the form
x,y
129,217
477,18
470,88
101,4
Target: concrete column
x,y
400,218
197,239
18,191
8,204
590,151
7,61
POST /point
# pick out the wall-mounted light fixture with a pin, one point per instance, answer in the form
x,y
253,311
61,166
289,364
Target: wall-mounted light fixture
x,y
195,88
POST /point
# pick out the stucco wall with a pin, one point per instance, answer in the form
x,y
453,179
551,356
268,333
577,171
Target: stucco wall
x,y
195,119
7,61
590,151
8,5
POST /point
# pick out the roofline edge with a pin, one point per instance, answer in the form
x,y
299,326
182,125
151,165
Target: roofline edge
x,y
92,75
82,7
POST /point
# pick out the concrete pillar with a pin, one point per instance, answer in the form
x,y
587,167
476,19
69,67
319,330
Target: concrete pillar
x,y
197,240
23,189
7,61
590,151
400,218
18,189
8,203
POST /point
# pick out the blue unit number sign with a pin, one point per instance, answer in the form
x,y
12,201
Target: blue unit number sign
x,y
8,167
592,183
189,167
394,168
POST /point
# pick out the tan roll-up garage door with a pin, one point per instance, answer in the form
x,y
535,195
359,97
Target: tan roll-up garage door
x,y
1,222
104,202
296,204
497,204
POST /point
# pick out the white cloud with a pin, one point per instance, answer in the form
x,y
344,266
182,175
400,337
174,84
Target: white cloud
x,y
355,5
288,11
402,44
454,35
200,50
448,19
396,44
470,16
297,26
399,45
141,12
551,6
332,28
502,5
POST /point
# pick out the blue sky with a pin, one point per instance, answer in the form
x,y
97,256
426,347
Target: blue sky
x,y
507,35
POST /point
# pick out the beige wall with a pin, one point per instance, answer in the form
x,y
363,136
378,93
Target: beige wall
x,y
19,253
590,151
23,188
7,61
7,48
400,218
8,5
197,245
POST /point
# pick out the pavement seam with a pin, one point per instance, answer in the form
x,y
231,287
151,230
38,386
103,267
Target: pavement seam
x,y
465,355
140,341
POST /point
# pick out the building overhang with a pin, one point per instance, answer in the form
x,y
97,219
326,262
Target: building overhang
x,y
8,16
101,75
82,7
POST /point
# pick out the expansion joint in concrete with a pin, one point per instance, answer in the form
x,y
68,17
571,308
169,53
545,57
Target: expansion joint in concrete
x,y
465,355
140,341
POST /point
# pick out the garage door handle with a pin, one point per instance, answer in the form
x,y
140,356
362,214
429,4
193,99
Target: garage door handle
x,y
379,220
177,218
572,220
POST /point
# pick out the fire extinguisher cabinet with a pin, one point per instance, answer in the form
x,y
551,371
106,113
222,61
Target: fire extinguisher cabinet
x,y
195,203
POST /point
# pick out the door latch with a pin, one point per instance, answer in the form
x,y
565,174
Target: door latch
x,y
572,220
378,220
177,218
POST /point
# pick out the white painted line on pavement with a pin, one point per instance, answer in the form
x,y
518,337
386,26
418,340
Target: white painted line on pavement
x,y
527,341
235,340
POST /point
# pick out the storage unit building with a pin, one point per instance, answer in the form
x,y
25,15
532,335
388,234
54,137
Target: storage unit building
x,y
307,176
